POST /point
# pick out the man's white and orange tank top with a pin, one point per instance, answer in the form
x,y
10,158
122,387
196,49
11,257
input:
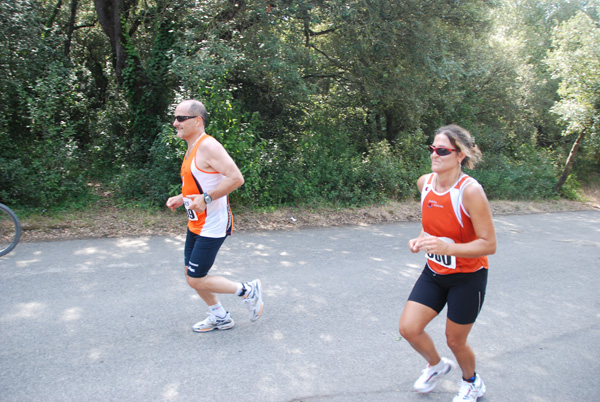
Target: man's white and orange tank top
x,y
444,216
216,220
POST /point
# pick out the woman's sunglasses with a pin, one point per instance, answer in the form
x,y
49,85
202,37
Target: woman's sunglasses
x,y
441,151
183,118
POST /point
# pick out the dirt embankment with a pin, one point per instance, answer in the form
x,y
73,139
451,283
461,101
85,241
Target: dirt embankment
x,y
106,221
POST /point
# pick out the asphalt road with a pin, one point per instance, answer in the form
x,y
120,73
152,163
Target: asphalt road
x,y
110,319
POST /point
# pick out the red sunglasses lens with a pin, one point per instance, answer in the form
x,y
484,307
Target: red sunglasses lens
x,y
441,151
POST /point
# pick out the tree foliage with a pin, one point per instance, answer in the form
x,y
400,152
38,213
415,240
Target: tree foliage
x,y
317,100
575,60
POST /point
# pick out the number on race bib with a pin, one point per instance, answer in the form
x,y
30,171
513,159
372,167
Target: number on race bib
x,y
190,212
447,261
191,215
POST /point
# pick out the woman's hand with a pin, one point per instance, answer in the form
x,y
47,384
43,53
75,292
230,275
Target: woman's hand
x,y
430,245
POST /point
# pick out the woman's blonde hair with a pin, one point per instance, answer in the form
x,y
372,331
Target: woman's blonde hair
x,y
462,140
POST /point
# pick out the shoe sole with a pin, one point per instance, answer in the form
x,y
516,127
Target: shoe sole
x,y
431,388
221,327
426,390
482,391
255,317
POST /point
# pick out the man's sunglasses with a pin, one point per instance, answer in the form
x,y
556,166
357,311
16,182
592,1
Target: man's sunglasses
x,y
441,151
184,118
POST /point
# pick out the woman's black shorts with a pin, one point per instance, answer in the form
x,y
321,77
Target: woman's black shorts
x,y
463,292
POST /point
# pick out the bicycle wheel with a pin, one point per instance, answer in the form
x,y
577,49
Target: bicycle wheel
x,y
10,230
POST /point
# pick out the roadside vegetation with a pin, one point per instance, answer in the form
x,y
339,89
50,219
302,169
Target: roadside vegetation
x,y
325,105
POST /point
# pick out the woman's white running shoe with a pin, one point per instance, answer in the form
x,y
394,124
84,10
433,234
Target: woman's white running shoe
x,y
470,391
428,380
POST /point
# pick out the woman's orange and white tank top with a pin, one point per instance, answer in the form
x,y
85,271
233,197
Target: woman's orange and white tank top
x,y
216,220
444,216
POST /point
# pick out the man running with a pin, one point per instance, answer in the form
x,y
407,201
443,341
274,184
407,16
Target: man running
x,y
208,176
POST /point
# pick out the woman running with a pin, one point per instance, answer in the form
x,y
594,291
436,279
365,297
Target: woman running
x,y
457,236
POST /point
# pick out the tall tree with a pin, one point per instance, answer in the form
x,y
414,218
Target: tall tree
x,y
575,60
397,60
523,29
141,39
111,15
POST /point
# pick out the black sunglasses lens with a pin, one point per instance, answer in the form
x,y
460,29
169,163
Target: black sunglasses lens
x,y
183,118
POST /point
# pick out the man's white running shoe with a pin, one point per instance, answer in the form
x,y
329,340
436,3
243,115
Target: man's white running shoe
x,y
428,380
470,391
213,322
253,299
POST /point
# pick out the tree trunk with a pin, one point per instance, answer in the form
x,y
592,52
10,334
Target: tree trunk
x,y
71,27
570,160
54,14
109,16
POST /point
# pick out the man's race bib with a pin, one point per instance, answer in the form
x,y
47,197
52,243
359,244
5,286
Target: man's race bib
x,y
190,212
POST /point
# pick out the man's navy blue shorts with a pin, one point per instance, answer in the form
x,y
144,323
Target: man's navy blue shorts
x,y
463,292
200,253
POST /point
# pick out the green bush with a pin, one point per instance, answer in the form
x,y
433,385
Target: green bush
x,y
310,167
238,131
529,175
386,174
159,179
325,167
42,167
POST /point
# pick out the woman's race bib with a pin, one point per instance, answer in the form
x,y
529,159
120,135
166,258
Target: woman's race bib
x,y
447,261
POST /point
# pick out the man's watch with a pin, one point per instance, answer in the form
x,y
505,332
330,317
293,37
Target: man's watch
x,y
207,198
